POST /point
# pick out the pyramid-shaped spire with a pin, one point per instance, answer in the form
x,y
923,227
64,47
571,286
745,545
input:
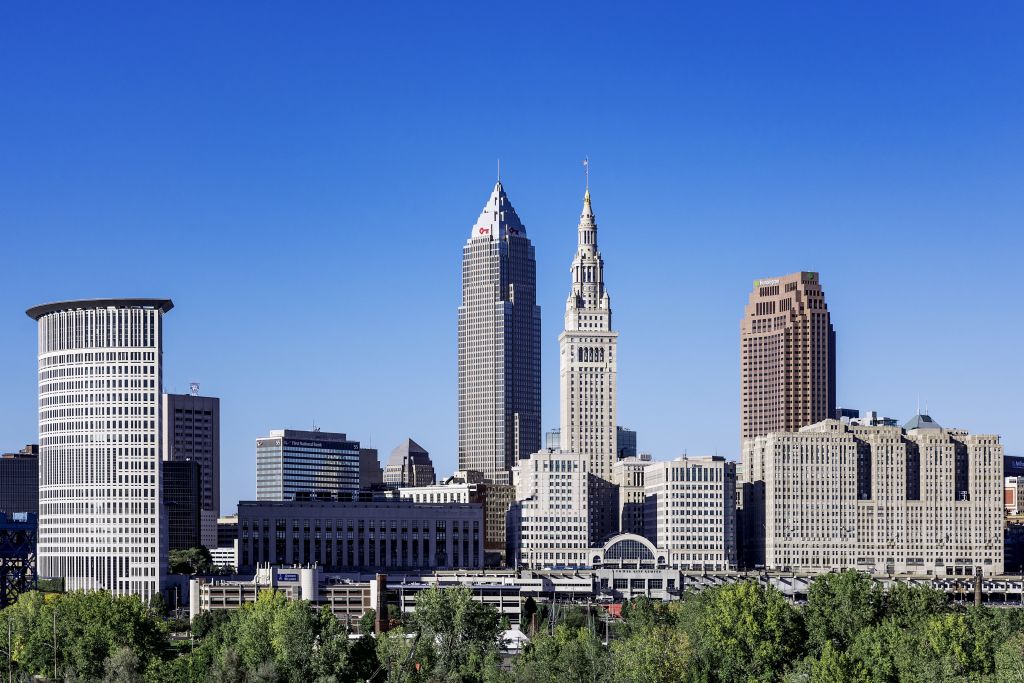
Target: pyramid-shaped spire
x,y
499,218
588,224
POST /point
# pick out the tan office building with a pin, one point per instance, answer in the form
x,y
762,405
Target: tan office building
x,y
887,500
787,347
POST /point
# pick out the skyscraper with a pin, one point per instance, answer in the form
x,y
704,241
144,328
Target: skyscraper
x,y
192,432
788,352
499,344
183,504
587,358
294,464
100,380
19,481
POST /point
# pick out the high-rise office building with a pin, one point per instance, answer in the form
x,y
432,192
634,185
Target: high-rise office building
x,y
294,464
625,443
409,465
371,474
690,510
588,356
19,481
788,356
920,499
192,432
183,499
100,381
499,344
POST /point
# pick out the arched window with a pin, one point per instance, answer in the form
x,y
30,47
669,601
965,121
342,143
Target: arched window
x,y
628,549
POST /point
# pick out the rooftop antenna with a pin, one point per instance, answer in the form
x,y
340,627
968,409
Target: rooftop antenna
x,y
499,169
193,388
586,170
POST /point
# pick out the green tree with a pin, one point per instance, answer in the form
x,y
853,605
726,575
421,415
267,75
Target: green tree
x,y
122,666
463,631
330,660
367,621
190,561
839,606
1009,660
911,606
568,655
292,636
747,633
253,632
835,666
651,654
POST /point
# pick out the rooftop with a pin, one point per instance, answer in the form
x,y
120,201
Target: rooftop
x,y
37,312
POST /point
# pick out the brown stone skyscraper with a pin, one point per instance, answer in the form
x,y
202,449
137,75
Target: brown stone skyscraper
x,y
788,350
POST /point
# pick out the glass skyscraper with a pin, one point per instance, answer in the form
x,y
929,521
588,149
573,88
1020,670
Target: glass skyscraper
x,y
293,464
499,344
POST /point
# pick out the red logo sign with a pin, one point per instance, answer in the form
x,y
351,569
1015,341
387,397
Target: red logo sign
x,y
484,231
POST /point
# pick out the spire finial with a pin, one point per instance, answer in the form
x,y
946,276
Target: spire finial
x,y
586,171
499,169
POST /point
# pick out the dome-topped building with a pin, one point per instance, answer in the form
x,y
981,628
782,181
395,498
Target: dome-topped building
x,y
409,465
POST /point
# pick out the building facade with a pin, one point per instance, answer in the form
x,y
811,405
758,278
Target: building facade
x,y
292,463
360,535
548,524
625,443
499,344
183,499
888,500
409,465
494,498
788,356
371,474
629,475
19,481
100,382
192,432
690,510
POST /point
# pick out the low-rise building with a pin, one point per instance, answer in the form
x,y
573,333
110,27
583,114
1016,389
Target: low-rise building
x,y
467,486
379,535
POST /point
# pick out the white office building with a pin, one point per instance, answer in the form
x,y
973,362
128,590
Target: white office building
x,y
690,510
549,524
100,376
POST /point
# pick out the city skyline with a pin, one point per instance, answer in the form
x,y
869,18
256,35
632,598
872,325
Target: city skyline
x,y
296,284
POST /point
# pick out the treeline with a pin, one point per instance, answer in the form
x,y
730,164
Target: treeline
x,y
848,631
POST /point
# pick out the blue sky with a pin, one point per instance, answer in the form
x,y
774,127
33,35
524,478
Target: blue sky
x,y
301,182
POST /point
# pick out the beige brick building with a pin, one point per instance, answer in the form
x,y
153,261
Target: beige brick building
x,y
914,500
787,348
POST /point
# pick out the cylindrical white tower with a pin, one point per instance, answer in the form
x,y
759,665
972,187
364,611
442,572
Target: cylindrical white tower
x,y
100,380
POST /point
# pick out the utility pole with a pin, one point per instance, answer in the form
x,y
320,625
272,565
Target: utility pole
x,y
54,642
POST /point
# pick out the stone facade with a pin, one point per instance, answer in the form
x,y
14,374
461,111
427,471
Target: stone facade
x,y
888,500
